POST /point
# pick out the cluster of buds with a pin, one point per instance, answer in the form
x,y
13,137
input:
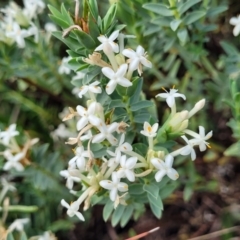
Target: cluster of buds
x,y
117,167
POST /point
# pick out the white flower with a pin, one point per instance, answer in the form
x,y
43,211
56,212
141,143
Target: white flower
x,y
18,224
72,209
61,132
33,7
116,78
108,41
87,115
90,88
235,21
64,67
13,161
105,133
79,159
7,185
5,136
33,30
18,35
200,139
113,158
114,186
71,175
170,96
148,130
50,27
127,166
137,59
165,168
188,149
47,236
122,147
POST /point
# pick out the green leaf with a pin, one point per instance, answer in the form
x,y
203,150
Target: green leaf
x,y
10,236
140,148
66,16
135,89
213,11
151,189
93,7
158,8
117,215
85,39
135,189
126,215
167,191
70,42
182,35
109,18
107,210
156,205
141,104
142,117
116,103
233,150
156,201
59,21
185,6
61,225
229,48
193,17
188,192
175,24
23,236
55,12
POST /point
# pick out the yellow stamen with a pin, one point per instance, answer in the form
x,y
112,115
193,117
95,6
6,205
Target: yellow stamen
x,y
149,129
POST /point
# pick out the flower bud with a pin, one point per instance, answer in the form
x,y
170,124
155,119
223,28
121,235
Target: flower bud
x,y
198,106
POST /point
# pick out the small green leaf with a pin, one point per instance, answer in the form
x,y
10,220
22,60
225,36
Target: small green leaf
x,y
70,42
93,7
158,8
55,12
107,210
185,6
188,192
135,189
182,35
66,16
229,48
109,18
59,21
23,236
126,215
141,104
233,150
116,103
140,148
85,39
193,17
151,189
135,89
10,236
141,117
156,201
60,225
213,11
175,24
117,215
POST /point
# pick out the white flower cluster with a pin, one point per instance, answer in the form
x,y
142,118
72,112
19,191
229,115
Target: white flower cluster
x,y
18,23
14,154
118,166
